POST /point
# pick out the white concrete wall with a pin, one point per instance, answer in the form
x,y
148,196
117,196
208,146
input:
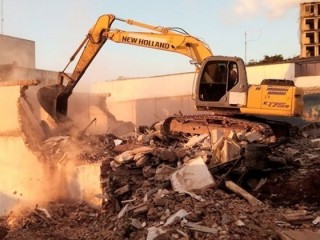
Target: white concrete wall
x,y
144,112
17,50
144,88
256,74
144,101
179,84
310,81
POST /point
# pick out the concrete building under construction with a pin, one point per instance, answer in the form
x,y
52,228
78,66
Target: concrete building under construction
x,y
310,28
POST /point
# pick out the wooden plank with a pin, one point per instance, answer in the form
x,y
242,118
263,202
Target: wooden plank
x,y
243,193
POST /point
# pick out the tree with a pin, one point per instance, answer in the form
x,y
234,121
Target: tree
x,y
268,59
272,59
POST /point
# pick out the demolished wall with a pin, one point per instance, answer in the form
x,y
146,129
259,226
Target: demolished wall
x,y
27,177
15,158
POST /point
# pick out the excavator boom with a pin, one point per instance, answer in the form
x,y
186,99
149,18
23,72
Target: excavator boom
x,y
54,98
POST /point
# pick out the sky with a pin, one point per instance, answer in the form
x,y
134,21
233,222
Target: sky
x,y
268,27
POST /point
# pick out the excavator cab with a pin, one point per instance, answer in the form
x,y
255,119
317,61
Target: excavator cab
x,y
221,83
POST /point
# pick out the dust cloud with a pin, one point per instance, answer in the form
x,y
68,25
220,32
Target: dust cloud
x,y
25,182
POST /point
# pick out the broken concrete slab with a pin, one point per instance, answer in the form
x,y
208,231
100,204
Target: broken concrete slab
x,y
192,175
176,217
230,151
195,140
215,135
233,136
154,232
225,150
253,136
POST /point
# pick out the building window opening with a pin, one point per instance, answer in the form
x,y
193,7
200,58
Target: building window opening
x,y
309,9
310,37
310,51
309,24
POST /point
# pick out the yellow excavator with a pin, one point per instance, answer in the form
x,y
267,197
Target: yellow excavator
x,y
221,89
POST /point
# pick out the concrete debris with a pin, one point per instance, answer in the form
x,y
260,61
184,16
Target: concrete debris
x,y
199,228
191,176
230,151
298,217
123,211
136,223
195,140
176,217
121,190
233,136
159,187
154,232
240,223
117,142
44,211
215,135
225,150
253,136
316,220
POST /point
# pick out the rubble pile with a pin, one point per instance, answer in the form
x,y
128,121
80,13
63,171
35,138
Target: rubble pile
x,y
207,186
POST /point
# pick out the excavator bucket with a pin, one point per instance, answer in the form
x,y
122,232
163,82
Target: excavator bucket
x,y
54,100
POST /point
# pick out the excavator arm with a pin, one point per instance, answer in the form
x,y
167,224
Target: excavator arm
x,y
54,99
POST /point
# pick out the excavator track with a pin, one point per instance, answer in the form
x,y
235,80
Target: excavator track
x,y
201,124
